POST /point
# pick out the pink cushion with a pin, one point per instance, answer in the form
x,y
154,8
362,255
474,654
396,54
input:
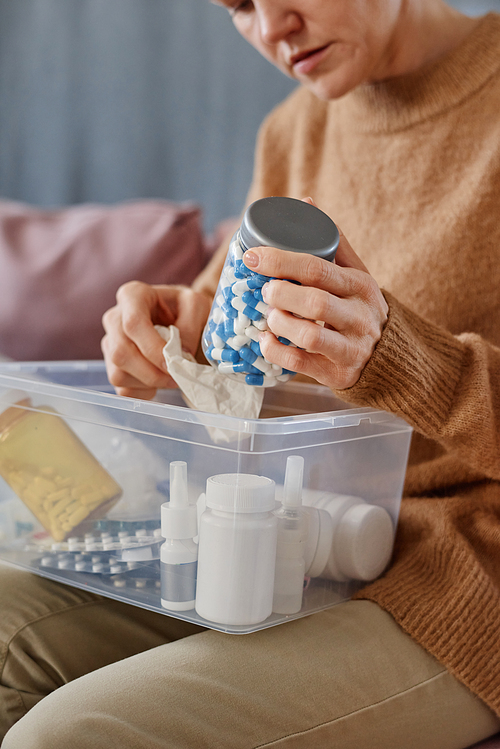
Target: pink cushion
x,y
60,269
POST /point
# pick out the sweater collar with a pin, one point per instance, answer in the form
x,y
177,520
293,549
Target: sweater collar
x,y
401,102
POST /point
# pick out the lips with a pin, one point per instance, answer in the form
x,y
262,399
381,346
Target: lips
x,y
304,62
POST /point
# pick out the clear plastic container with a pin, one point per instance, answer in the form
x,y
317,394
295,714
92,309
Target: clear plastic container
x,y
334,532
239,314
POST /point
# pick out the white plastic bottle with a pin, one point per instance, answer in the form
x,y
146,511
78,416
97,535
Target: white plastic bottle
x,y
237,550
358,542
179,553
290,563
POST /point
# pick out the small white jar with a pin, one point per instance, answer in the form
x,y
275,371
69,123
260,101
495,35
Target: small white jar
x,y
237,550
348,539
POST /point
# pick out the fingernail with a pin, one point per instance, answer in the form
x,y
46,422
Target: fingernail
x,y
251,259
265,289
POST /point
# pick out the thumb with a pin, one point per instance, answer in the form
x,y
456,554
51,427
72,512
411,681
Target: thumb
x,y
345,257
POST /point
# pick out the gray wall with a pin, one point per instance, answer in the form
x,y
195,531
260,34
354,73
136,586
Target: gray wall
x,y
105,100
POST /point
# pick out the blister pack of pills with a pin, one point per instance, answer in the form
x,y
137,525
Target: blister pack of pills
x,y
141,578
92,563
143,545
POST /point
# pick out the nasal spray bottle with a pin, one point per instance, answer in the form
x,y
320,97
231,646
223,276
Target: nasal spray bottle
x,y
290,564
179,553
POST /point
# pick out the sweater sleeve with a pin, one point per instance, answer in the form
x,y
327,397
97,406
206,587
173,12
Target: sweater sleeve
x,y
446,387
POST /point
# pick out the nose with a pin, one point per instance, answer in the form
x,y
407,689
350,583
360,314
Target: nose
x,y
277,20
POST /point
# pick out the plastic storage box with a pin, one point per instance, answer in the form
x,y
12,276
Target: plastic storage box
x,y
267,520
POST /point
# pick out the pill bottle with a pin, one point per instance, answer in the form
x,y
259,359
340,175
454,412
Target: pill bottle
x,y
230,340
52,471
237,550
347,539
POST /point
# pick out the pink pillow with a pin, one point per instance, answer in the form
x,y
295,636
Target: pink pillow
x,y
60,269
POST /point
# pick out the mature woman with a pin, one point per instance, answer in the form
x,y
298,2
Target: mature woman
x,y
395,134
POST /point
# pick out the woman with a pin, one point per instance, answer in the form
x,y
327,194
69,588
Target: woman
x,y
395,134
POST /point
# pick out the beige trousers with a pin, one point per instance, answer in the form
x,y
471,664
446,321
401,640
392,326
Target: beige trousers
x,y
81,671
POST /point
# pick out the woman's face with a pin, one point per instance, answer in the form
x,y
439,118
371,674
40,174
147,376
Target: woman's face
x,y
330,46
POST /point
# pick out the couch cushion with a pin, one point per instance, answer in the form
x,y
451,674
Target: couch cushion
x,y
60,269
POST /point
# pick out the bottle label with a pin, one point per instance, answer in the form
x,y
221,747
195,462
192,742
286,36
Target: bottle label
x,y
178,581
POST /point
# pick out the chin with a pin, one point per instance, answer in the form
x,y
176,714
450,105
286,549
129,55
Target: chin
x,y
336,83
330,92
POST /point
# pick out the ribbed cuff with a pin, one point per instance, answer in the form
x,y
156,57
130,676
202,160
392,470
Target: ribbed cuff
x,y
413,372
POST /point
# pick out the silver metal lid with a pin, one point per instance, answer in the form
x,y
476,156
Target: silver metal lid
x,y
289,224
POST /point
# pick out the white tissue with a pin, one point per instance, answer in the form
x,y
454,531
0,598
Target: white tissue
x,y
203,387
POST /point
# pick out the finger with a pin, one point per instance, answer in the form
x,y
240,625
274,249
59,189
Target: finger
x,y
346,257
192,315
305,334
259,259
141,393
140,311
312,304
310,271
337,373
125,364
132,371
121,378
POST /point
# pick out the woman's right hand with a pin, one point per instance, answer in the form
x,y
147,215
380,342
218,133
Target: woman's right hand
x,y
132,347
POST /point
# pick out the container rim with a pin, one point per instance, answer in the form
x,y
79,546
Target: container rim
x,y
27,375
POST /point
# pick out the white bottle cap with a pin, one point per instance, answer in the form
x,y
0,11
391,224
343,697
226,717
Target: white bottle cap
x,y
363,542
178,517
363,536
240,492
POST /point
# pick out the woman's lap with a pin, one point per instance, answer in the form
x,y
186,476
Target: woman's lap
x,y
346,677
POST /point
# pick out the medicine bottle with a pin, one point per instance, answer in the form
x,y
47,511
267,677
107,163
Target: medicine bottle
x,y
347,539
237,550
52,471
179,553
231,337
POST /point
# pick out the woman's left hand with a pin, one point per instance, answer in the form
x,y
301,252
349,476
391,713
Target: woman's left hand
x,y
342,295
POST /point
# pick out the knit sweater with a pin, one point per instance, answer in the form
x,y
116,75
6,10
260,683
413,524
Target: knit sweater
x,y
410,170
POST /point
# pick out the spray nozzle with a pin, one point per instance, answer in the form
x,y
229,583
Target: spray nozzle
x,y
178,484
178,517
294,476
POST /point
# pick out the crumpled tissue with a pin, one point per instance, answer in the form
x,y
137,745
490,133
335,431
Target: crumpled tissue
x,y
205,389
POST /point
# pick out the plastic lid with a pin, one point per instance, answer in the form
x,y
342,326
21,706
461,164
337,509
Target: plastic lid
x,y
240,492
289,224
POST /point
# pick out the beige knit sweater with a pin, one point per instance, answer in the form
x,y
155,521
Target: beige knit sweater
x,y
410,170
